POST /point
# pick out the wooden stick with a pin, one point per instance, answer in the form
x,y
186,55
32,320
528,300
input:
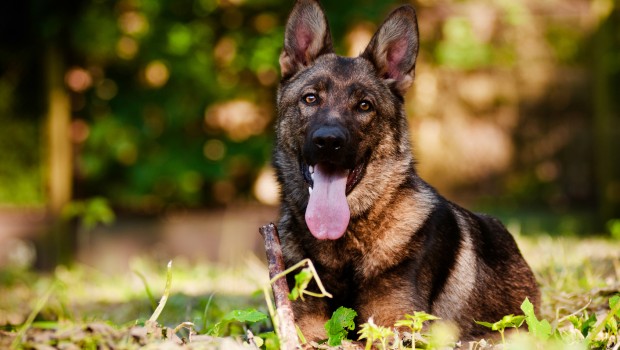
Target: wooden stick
x,y
284,309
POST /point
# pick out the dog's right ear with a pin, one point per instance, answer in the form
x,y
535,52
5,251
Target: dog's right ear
x,y
306,37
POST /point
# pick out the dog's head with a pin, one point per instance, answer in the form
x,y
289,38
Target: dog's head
x,y
339,114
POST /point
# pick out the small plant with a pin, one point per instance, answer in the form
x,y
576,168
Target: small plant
x,y
540,329
508,321
416,321
372,333
302,279
443,335
609,323
583,323
241,316
339,325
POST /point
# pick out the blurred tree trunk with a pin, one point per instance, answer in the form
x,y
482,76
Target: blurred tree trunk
x,y
58,245
58,126
606,120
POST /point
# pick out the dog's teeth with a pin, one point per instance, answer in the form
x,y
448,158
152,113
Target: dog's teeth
x,y
311,169
310,190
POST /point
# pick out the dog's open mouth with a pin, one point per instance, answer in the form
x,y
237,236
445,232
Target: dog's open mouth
x,y
353,176
327,214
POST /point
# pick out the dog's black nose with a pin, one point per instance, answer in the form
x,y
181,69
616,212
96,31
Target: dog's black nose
x,y
329,138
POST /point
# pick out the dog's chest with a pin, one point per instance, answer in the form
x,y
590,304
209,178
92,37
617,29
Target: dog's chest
x,y
359,261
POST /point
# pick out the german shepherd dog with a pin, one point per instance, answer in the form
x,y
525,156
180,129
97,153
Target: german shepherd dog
x,y
384,242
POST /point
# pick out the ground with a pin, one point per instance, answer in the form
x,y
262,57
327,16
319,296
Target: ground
x,y
83,307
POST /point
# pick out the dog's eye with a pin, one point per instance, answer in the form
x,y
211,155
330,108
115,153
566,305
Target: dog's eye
x,y
310,99
364,106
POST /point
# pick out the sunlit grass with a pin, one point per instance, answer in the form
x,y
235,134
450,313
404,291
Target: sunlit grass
x,y
576,276
84,293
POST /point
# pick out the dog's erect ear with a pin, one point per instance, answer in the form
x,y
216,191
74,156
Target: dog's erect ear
x,y
306,37
394,48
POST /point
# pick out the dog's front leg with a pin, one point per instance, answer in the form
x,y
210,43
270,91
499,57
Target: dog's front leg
x,y
385,304
311,315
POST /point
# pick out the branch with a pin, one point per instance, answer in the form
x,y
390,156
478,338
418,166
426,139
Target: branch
x,y
285,323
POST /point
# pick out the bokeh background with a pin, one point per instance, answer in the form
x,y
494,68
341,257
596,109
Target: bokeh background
x,y
133,126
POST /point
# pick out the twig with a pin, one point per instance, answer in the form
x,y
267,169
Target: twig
x,y
285,326
315,275
574,313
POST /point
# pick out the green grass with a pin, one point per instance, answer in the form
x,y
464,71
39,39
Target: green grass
x,y
211,306
200,293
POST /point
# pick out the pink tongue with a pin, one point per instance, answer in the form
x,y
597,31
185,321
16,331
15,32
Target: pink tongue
x,y
327,214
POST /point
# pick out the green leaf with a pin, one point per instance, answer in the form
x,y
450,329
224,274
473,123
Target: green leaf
x,y
371,332
512,321
587,325
415,321
540,329
505,322
613,301
45,324
294,294
606,322
486,324
215,329
248,315
271,341
302,279
339,324
612,325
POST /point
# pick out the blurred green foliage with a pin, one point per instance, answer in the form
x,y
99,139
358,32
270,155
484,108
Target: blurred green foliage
x,y
143,77
146,142
20,164
460,49
90,212
172,101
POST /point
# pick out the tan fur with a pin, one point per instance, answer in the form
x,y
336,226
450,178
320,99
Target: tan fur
x,y
388,306
388,227
462,280
406,248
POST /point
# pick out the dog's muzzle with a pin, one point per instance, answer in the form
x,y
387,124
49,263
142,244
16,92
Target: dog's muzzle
x,y
331,145
336,150
331,168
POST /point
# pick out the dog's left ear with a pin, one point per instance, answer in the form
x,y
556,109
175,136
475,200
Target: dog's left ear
x,y
394,48
306,37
